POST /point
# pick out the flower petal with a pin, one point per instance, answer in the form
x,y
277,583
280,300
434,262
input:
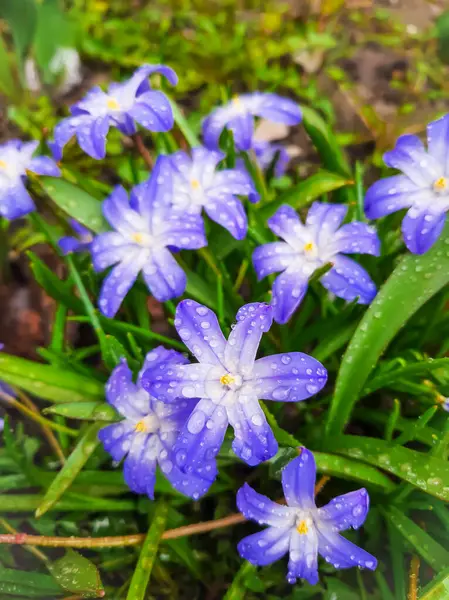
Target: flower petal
x,y
118,212
163,276
274,108
200,440
161,356
273,257
259,508
124,395
184,230
232,181
341,553
15,202
116,439
229,213
410,157
303,563
119,281
325,219
108,249
286,224
66,129
92,137
139,469
152,198
265,547
357,238
145,71
69,244
213,125
422,227
391,194
348,510
198,328
254,441
288,377
168,382
192,484
349,281
242,127
298,480
44,165
153,111
253,320
289,289
438,141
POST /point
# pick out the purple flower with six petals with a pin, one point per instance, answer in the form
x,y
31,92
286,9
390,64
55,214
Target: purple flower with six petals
x,y
302,529
16,158
230,383
149,429
197,184
121,106
423,187
238,116
145,226
310,246
82,243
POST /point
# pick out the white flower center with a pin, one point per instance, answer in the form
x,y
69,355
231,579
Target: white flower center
x,y
142,238
304,523
149,424
113,104
231,381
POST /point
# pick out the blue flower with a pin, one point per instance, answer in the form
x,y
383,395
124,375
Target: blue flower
x,y
82,243
230,383
198,184
144,227
238,116
16,158
311,246
265,154
302,529
423,187
149,428
121,106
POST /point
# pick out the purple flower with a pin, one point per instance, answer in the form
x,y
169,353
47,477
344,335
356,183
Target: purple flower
x,y
144,227
238,116
266,152
148,430
121,106
302,529
423,187
198,184
16,158
311,246
82,243
230,383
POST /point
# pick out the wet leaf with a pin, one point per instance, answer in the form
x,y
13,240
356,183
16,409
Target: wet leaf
x,y
414,281
425,472
92,411
238,588
78,575
438,588
28,584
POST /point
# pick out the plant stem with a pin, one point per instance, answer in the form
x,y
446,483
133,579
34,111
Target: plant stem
x,y
143,150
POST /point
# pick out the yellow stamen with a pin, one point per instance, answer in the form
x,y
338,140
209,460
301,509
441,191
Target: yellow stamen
x,y
440,184
302,528
3,165
227,379
195,184
140,427
308,247
113,104
236,101
137,237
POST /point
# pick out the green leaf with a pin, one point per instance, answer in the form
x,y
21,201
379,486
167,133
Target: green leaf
x,y
442,27
184,126
28,583
93,411
438,588
305,192
422,543
414,281
7,85
425,472
148,553
48,382
77,203
76,461
325,142
21,17
78,575
238,588
19,503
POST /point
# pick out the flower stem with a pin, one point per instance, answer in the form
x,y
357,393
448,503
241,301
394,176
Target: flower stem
x,y
143,150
